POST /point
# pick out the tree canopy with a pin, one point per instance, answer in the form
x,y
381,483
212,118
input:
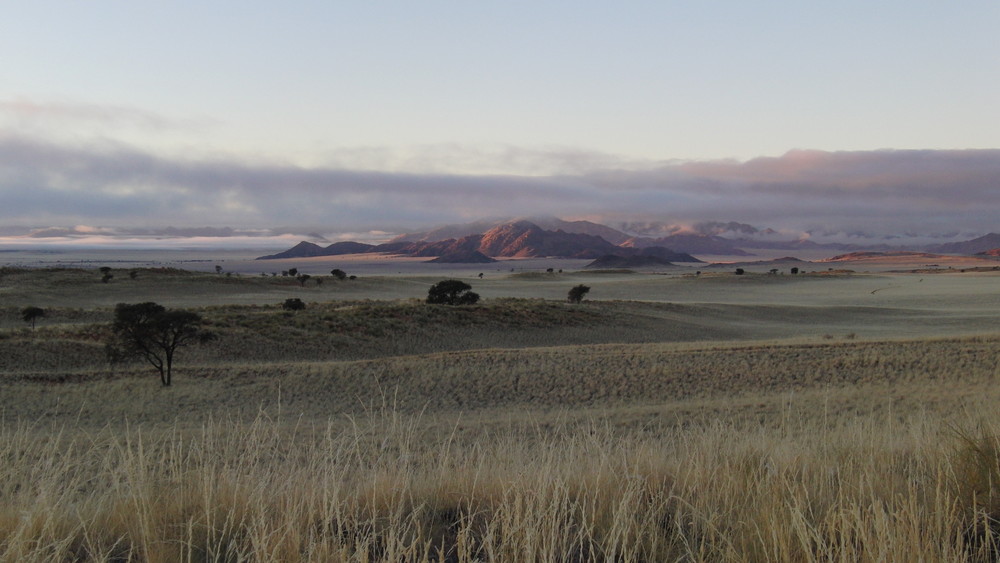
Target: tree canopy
x,y
149,331
452,292
31,314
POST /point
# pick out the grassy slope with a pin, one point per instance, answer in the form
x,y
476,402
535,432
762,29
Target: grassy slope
x,y
658,429
909,374
342,352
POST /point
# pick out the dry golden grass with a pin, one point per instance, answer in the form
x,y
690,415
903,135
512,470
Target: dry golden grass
x,y
938,374
520,429
388,487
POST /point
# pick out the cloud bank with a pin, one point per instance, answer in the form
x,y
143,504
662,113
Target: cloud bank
x,y
881,192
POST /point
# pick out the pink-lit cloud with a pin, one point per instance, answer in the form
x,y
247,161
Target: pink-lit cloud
x,y
891,191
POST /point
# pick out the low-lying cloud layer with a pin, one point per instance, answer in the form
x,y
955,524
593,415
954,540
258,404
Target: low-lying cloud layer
x,y
882,192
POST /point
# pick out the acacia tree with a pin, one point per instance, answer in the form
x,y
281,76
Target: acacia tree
x,y
576,294
149,331
31,314
452,292
338,273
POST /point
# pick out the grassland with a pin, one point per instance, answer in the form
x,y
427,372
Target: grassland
x,y
832,416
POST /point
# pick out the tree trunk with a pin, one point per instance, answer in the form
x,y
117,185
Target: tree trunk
x,y
170,362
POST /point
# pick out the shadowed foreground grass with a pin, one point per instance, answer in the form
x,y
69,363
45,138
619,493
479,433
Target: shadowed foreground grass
x,y
389,487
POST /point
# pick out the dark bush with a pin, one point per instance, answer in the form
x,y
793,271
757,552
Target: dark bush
x,y
451,292
576,294
32,314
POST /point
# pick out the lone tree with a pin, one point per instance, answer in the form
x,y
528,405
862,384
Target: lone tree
x,y
293,304
303,278
149,331
451,292
576,294
338,273
31,314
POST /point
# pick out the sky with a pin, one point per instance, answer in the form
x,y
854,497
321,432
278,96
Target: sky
x,y
393,115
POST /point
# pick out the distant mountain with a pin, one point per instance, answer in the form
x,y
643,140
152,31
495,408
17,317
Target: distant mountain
x,y
524,239
521,239
446,232
613,236
397,247
628,262
691,244
545,223
308,250
463,257
301,250
806,244
347,247
974,246
583,239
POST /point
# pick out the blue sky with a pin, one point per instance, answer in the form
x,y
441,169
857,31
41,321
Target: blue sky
x,y
200,112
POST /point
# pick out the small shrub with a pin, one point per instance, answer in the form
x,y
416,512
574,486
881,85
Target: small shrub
x,y
576,294
31,314
451,292
293,304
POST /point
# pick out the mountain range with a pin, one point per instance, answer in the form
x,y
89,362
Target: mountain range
x,y
482,241
518,239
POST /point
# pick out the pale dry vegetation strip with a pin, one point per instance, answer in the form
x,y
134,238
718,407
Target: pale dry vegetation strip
x,y
938,372
388,487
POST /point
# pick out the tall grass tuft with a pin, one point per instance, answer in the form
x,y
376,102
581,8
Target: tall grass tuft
x,y
392,487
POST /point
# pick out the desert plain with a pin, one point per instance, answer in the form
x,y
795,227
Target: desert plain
x,y
844,413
